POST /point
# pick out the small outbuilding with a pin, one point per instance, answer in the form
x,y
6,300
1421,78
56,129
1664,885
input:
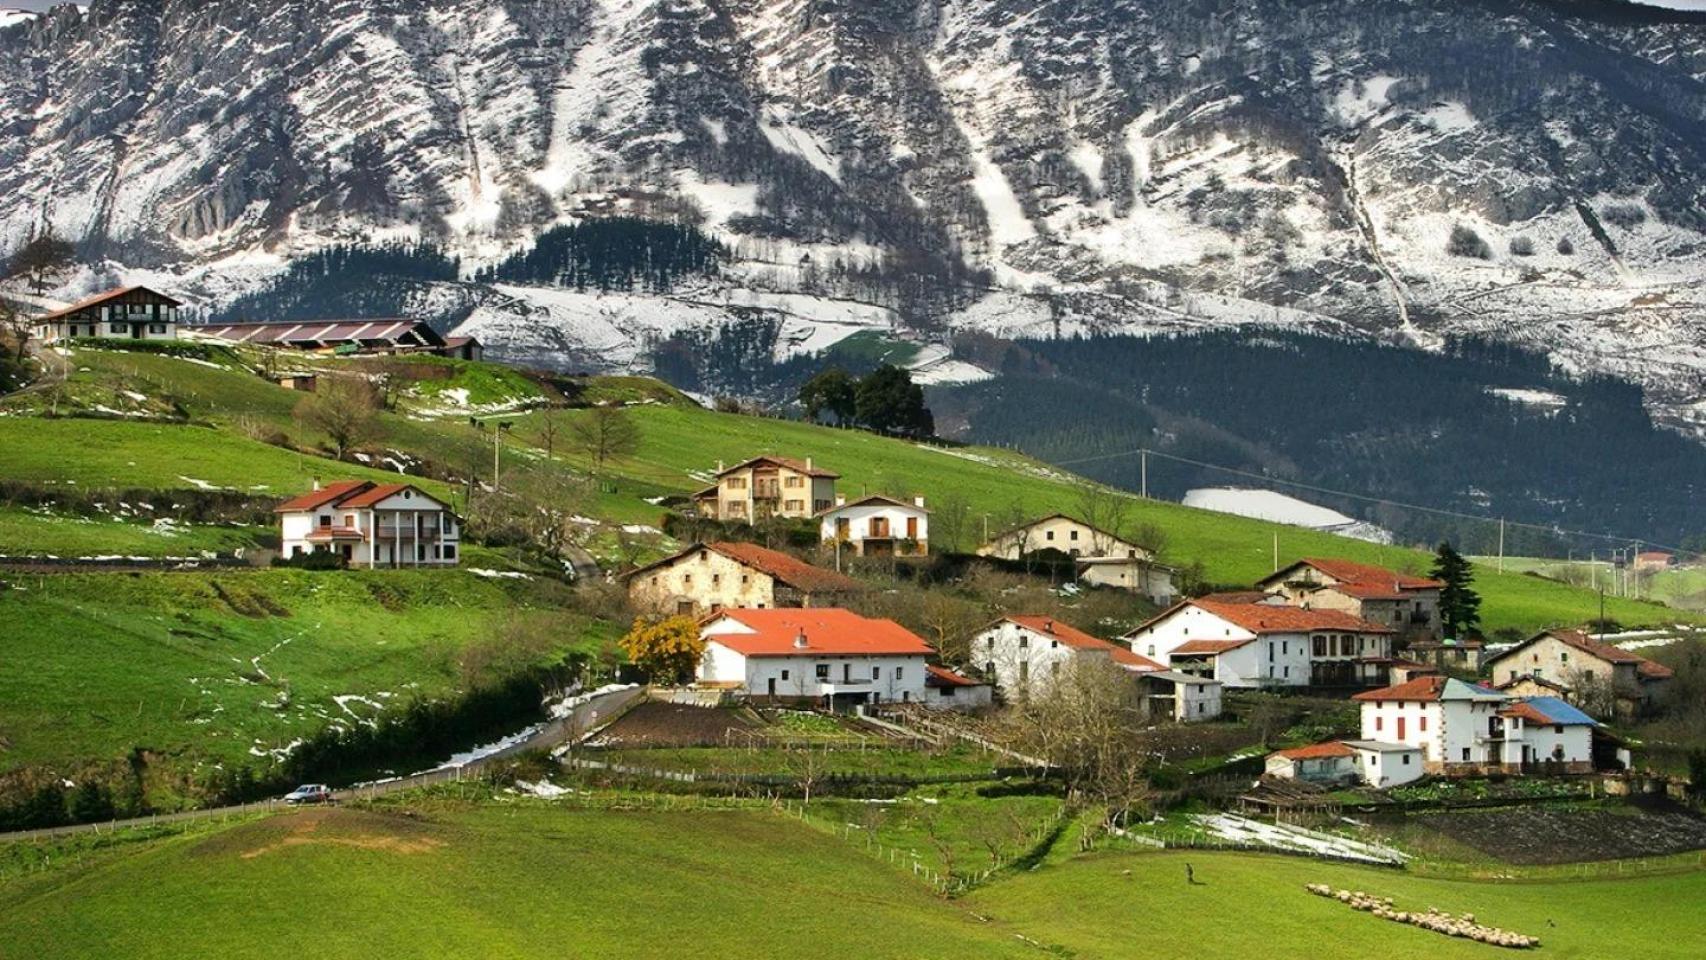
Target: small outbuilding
x,y
946,689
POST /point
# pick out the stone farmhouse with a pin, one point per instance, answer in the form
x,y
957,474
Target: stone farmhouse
x,y
1565,661
371,525
1409,605
877,526
1464,729
709,577
1024,654
1266,644
1104,559
130,313
766,487
821,656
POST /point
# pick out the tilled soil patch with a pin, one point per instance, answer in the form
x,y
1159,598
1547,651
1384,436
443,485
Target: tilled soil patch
x,y
655,724
1535,835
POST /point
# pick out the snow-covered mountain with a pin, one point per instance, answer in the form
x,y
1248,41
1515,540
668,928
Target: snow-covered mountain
x,y
1532,169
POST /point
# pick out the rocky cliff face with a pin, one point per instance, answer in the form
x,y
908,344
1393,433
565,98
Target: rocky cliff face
x,y
1525,168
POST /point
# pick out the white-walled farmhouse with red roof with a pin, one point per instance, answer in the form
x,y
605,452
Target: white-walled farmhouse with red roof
x,y
371,525
829,656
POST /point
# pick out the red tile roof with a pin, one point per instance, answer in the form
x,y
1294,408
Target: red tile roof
x,y
1526,712
825,630
790,570
355,494
1210,647
935,676
1580,640
1079,640
1417,688
1235,596
1262,618
314,499
1367,575
798,466
875,498
101,298
1316,751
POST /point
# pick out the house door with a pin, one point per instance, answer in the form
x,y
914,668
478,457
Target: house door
x,y
770,688
912,528
1400,729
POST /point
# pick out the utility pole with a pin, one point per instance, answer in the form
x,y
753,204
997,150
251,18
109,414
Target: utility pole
x,y
1143,472
1501,544
1276,550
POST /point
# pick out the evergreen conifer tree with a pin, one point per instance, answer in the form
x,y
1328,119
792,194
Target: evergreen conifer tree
x,y
1459,604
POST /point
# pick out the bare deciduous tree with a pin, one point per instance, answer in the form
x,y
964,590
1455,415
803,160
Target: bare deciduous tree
x,y
345,409
550,429
1087,721
604,434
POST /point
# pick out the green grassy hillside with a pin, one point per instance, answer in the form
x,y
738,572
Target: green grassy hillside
x,y
1244,905
201,669
524,881
680,445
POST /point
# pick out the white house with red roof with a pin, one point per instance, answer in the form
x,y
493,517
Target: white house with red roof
x,y
1265,645
1024,654
877,526
1375,762
1407,603
820,655
371,525
1465,729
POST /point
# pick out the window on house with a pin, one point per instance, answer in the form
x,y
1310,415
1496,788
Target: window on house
x,y
449,551
876,673
1558,728
325,520
784,675
1074,535
1422,723
716,579
1049,535
899,672
1024,641
1379,724
1406,759
1465,754
823,671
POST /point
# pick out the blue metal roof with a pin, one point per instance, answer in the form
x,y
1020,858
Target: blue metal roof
x,y
1558,711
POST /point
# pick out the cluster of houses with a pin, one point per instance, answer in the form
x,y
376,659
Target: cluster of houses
x,y
138,313
776,628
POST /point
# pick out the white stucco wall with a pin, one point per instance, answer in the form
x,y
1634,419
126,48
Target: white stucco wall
x,y
859,519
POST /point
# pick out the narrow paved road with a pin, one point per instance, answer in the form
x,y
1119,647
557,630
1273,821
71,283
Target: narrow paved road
x,y
584,718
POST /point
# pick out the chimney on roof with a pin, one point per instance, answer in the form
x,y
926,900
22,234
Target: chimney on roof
x,y
719,466
841,500
918,502
808,464
316,483
800,640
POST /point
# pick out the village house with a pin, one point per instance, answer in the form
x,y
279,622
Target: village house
x,y
1651,561
389,335
877,526
1462,655
766,487
1338,762
946,689
1026,653
822,656
1070,536
1263,644
1573,662
1023,654
708,577
1179,696
1464,729
128,313
1103,559
371,525
1408,604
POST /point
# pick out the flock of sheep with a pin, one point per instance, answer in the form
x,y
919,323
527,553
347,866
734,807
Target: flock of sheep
x,y
1435,920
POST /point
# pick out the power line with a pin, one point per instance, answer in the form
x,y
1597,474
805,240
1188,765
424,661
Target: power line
x,y
1298,484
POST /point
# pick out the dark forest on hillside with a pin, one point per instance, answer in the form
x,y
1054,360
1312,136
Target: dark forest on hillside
x,y
1382,421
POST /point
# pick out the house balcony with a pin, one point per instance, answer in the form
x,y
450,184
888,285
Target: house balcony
x,y
391,531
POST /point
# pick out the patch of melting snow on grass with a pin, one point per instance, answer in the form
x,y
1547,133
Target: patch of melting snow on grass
x,y
199,484
1284,837
640,528
485,750
499,574
544,789
563,706
278,753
